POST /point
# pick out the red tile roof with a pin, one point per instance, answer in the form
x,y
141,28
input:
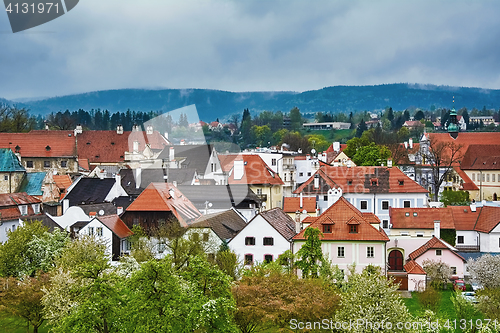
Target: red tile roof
x,y
424,218
481,157
433,243
110,147
342,147
412,267
41,143
62,181
116,225
413,123
292,204
339,216
467,138
310,219
359,180
468,184
488,219
463,217
158,197
256,170
9,203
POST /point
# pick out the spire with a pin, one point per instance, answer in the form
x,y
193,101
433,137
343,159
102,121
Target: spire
x,y
452,122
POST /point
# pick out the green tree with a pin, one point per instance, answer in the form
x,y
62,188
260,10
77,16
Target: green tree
x,y
419,115
455,198
296,120
371,154
310,255
361,128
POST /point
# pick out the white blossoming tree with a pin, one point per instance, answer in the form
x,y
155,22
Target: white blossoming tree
x,y
485,270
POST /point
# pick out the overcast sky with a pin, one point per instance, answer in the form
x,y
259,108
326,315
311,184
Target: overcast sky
x,y
252,46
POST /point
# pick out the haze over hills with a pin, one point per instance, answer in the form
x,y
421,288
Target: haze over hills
x,y
213,104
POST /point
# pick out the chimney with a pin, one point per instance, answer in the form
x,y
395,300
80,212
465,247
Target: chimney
x,y
138,174
149,130
297,226
348,163
78,129
166,135
238,169
335,164
174,183
135,128
172,193
389,162
437,228
411,143
473,207
92,214
308,157
136,146
119,210
316,181
301,201
65,205
118,180
171,154
406,145
119,129
336,146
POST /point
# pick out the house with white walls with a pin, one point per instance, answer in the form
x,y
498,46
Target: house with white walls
x,y
264,238
370,189
349,236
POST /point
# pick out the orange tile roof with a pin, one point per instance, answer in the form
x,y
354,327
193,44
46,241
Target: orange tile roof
x,y
116,225
463,217
433,243
110,147
359,180
424,218
412,267
9,203
84,163
481,157
62,181
41,143
467,138
468,184
256,170
342,147
310,219
158,197
292,204
339,216
488,219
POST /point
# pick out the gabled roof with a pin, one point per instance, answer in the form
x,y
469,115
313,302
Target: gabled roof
x,y
220,196
192,156
361,179
421,218
9,162
466,138
340,215
292,204
32,183
255,169
413,123
110,147
41,143
481,157
433,243
104,208
468,184
9,203
62,181
488,219
412,267
166,197
154,175
281,221
116,225
225,224
90,190
463,217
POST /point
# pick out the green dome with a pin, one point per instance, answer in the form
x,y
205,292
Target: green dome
x,y
452,127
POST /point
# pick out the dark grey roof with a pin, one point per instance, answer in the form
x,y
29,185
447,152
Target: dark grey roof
x,y
90,190
79,224
475,255
107,207
182,176
196,156
123,202
46,221
220,196
225,224
281,221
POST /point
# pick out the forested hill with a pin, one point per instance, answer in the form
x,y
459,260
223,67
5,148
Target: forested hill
x,y
213,104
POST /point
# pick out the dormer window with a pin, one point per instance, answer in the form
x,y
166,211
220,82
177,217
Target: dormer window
x,y
374,181
349,182
23,209
353,228
327,228
47,148
401,182
18,149
36,208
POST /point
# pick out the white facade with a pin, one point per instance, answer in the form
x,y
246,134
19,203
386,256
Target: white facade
x,y
304,169
6,227
258,229
490,242
96,229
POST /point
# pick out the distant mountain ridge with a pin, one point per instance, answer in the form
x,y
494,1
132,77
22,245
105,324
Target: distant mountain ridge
x,y
212,104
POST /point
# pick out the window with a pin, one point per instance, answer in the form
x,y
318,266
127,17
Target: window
x,y
309,174
205,237
407,214
385,224
64,164
259,191
364,204
349,182
370,252
98,231
135,221
493,177
301,174
488,177
195,236
420,234
460,239
212,167
453,270
161,247
415,214
6,177
36,208
248,259
473,177
29,164
483,177
327,228
438,252
46,164
249,240
374,183
91,231
325,198
23,209
401,182
268,258
353,228
268,241
385,204
340,252
406,204
273,161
